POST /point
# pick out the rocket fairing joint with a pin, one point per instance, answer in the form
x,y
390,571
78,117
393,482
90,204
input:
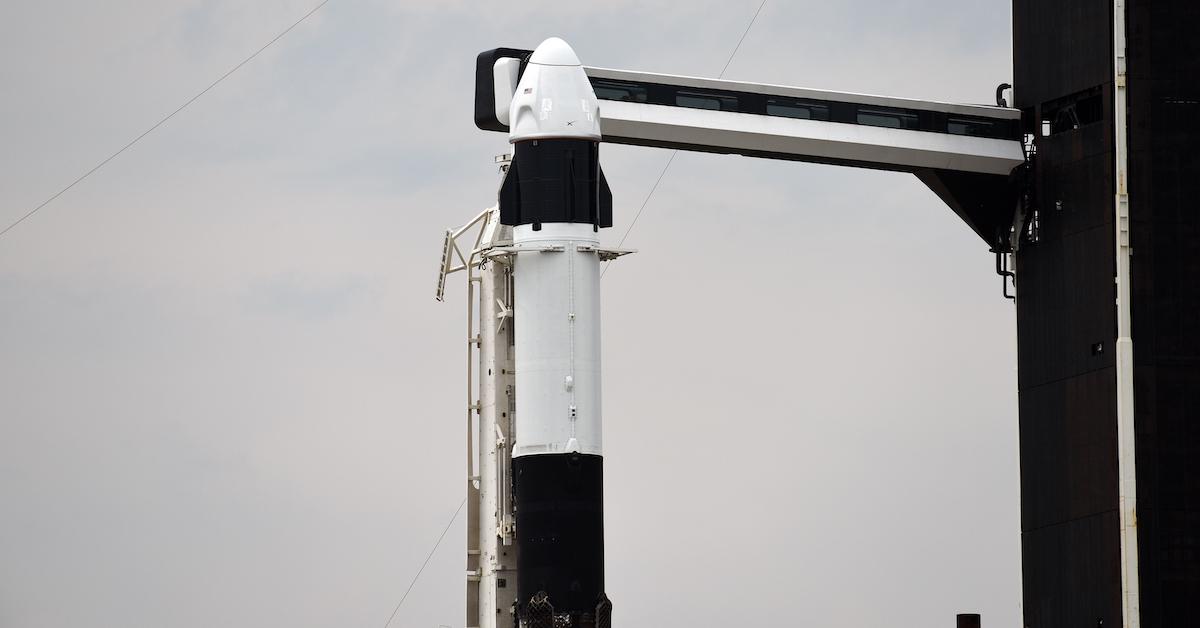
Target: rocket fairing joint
x,y
555,198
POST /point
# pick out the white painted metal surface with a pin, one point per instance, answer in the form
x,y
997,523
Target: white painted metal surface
x,y
505,74
554,98
557,277
491,549
1126,427
497,558
810,139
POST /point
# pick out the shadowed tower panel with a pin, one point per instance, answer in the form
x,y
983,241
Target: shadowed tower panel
x,y
1164,188
1067,315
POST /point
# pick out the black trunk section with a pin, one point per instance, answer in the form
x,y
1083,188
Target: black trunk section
x,y
560,528
555,181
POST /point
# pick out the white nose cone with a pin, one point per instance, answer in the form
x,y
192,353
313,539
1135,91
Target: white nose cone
x,y
554,51
554,99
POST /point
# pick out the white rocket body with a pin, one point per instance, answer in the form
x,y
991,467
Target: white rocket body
x,y
558,340
556,200
558,333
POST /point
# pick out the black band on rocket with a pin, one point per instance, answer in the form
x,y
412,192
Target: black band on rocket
x,y
555,181
560,530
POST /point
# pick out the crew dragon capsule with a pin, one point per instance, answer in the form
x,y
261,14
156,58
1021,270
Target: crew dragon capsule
x,y
556,199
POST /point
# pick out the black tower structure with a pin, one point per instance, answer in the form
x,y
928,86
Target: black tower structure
x,y
1068,83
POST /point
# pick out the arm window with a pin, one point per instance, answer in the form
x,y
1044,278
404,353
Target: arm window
x,y
974,128
614,90
889,118
797,109
696,100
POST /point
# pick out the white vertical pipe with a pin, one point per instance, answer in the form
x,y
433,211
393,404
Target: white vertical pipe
x,y
1126,428
473,567
489,370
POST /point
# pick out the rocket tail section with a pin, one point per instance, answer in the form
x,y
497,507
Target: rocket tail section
x,y
540,613
560,526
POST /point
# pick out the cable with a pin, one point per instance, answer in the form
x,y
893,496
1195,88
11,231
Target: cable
x,y
414,580
739,44
647,199
674,152
164,120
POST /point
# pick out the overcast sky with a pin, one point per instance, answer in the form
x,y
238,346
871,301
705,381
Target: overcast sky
x,y
228,397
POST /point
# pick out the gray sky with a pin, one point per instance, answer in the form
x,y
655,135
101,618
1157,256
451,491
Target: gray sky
x,y
228,398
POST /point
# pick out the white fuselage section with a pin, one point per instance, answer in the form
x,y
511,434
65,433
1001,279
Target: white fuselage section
x,y
557,317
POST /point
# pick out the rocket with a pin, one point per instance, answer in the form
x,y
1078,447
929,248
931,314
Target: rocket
x,y
555,198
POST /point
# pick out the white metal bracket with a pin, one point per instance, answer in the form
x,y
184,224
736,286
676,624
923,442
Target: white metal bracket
x,y
606,255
